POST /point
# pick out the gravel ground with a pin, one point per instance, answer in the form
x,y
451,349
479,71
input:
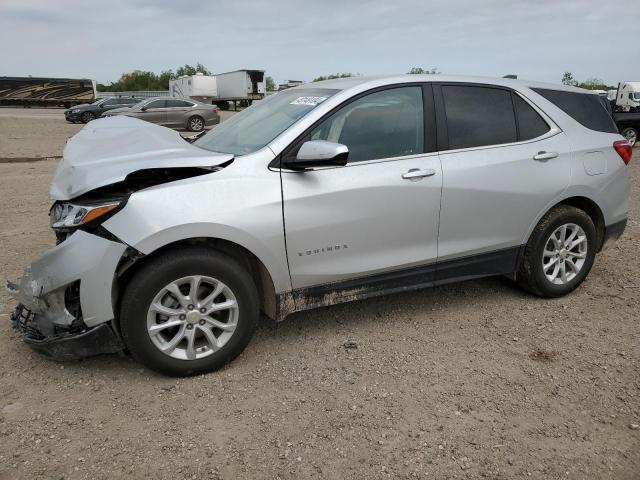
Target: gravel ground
x,y
473,380
31,133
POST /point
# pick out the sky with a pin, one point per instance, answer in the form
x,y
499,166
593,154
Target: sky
x,y
302,39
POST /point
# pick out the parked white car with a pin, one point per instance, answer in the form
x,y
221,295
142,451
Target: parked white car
x,y
325,193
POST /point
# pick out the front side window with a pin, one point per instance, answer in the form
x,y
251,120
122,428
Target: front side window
x,y
478,116
636,95
384,124
255,127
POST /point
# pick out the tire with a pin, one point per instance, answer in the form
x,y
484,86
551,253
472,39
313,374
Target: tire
x,y
531,275
630,134
138,317
86,117
195,124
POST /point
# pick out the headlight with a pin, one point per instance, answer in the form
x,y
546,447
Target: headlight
x,y
67,216
75,110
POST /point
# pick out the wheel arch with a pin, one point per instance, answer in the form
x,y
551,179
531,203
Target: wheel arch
x,y
584,203
133,260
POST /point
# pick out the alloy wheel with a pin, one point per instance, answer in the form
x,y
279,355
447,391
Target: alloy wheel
x,y
564,253
192,317
631,135
196,124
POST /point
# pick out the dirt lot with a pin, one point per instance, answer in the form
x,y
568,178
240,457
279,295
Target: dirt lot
x,y
29,133
474,380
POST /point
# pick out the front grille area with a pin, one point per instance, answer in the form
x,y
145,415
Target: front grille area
x,y
23,320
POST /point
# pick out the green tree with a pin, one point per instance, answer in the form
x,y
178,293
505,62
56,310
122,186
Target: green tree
x,y
567,79
270,84
334,76
595,84
189,70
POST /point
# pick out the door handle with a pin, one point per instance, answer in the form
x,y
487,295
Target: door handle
x,y
544,156
417,174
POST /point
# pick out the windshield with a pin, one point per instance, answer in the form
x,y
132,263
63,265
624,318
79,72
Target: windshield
x,y
256,126
98,102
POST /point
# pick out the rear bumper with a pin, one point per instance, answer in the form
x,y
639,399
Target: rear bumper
x,y
613,232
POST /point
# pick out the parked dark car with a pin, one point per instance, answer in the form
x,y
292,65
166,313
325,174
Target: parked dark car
x,y
173,112
90,111
628,124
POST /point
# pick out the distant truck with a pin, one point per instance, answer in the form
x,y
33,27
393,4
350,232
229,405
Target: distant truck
x,y
202,88
46,92
627,97
239,86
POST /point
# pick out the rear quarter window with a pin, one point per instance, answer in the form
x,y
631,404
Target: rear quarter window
x,y
584,108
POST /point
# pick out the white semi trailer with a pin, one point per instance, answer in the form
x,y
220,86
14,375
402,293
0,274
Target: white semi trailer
x,y
221,89
199,87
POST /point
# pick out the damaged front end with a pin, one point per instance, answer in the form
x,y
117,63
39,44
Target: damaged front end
x,y
65,298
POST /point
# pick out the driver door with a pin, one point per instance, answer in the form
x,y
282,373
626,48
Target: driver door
x,y
367,226
155,112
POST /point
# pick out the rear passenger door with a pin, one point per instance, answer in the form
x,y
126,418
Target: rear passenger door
x,y
177,112
503,162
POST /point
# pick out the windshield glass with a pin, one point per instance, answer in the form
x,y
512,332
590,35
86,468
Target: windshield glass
x,y
98,102
256,126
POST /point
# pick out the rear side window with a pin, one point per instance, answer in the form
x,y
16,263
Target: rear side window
x,y
584,108
478,116
177,104
530,123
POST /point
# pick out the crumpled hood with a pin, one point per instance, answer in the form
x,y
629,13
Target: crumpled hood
x,y
105,151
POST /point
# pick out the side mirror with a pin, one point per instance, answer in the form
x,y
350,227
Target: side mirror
x,y
319,153
143,109
101,105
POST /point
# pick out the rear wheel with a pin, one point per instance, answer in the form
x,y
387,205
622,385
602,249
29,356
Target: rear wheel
x,y
559,253
195,124
86,117
189,311
630,134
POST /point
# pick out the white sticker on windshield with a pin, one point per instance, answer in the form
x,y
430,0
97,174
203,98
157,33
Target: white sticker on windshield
x,y
310,101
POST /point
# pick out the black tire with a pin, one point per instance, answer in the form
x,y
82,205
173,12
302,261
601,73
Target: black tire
x,y
86,117
630,134
531,276
195,124
165,268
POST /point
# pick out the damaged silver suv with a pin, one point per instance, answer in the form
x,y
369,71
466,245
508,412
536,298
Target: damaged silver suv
x,y
320,194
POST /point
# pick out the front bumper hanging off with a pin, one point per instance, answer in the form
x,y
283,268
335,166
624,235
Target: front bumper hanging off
x,y
69,345
65,305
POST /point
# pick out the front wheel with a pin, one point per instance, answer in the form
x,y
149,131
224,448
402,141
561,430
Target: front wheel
x,y
559,253
631,134
189,311
86,117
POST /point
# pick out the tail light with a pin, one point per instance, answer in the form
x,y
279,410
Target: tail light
x,y
216,109
623,147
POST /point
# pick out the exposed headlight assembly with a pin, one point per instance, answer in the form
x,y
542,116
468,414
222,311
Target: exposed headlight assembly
x,y
75,110
65,216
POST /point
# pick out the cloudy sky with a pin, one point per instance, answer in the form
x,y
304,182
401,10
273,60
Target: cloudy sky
x,y
300,39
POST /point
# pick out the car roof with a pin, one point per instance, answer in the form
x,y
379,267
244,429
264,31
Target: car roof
x,y
359,81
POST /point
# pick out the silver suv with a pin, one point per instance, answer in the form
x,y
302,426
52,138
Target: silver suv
x,y
336,191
